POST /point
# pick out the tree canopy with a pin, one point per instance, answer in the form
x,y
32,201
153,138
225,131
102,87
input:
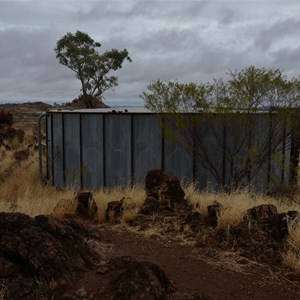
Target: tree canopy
x,y
249,89
247,144
79,53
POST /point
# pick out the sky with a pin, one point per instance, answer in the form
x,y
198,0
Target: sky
x,y
167,40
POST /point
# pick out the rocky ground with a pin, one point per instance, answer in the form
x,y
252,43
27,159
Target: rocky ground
x,y
169,251
45,258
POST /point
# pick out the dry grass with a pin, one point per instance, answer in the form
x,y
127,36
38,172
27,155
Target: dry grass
x,y
23,192
2,291
133,200
235,204
292,256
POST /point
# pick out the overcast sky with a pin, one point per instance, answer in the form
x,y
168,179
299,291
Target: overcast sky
x,y
169,40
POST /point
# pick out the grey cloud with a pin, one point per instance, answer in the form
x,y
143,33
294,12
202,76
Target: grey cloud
x,y
168,40
276,32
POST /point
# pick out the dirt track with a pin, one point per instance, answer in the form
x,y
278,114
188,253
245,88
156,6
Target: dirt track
x,y
198,274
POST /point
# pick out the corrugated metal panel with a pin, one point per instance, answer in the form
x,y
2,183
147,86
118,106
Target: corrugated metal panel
x,y
147,146
117,149
72,150
178,161
260,135
92,151
58,159
210,132
49,140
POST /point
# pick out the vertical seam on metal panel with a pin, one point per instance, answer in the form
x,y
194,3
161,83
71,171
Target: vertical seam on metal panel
x,y
283,152
52,152
80,151
162,143
47,166
63,147
132,150
194,153
104,150
269,151
224,156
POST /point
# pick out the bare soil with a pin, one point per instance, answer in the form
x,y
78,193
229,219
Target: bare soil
x,y
197,273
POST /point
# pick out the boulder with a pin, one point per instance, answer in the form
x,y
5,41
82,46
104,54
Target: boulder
x,y
10,133
41,249
151,205
164,187
213,213
262,213
194,219
153,179
278,224
86,205
114,210
137,279
21,155
6,118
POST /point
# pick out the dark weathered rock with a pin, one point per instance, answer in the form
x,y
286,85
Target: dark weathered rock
x,y
262,213
41,248
154,178
213,212
114,210
171,191
194,220
278,224
86,205
21,155
10,133
293,214
6,118
163,187
151,205
138,280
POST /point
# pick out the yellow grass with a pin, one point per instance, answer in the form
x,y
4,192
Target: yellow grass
x,y
235,204
133,200
23,192
292,256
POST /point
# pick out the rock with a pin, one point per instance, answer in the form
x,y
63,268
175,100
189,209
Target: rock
x,y
154,178
278,224
194,220
171,191
86,205
138,280
43,249
10,133
6,118
151,205
21,155
213,212
262,213
114,210
164,188
293,214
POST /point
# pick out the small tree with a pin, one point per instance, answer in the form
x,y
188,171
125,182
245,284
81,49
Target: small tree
x,y
230,114
78,52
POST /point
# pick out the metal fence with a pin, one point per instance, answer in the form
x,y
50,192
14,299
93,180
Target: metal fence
x,y
93,149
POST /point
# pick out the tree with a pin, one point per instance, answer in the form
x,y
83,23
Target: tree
x,y
249,120
78,52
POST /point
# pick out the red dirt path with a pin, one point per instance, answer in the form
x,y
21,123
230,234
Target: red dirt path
x,y
196,274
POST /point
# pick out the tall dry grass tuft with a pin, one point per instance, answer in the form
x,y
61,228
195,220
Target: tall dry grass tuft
x,y
235,204
134,198
291,257
23,192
